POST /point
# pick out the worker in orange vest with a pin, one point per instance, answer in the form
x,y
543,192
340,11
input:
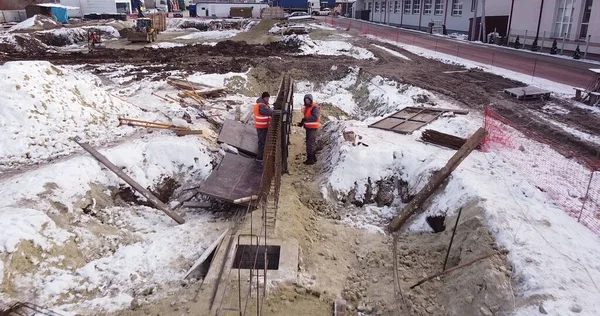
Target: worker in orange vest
x,y
311,122
262,118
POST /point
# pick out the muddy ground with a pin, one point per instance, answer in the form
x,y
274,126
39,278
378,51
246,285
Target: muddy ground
x,y
340,261
474,89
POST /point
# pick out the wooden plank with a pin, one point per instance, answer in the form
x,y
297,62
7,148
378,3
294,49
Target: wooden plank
x,y
205,255
436,180
145,193
239,135
236,177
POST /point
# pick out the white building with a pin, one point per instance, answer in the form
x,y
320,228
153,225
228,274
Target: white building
x,y
223,9
92,6
577,21
417,14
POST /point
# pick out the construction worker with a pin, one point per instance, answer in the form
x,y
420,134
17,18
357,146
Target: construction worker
x,y
311,122
262,118
94,39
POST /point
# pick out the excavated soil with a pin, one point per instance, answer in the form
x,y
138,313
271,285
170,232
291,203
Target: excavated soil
x,y
474,89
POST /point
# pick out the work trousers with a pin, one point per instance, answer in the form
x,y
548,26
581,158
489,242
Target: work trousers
x,y
262,139
311,141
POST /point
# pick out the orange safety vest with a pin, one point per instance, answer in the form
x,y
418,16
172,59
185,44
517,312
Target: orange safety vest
x,y
260,121
308,113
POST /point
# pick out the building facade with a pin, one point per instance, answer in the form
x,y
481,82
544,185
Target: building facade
x,y
575,21
417,14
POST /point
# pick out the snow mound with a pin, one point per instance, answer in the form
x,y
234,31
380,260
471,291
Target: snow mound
x,y
554,257
69,36
28,224
327,48
44,106
209,35
377,96
121,250
35,23
167,45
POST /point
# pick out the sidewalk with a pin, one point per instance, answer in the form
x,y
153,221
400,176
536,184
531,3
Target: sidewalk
x,y
567,71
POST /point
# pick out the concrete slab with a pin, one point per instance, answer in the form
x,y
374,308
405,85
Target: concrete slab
x,y
528,93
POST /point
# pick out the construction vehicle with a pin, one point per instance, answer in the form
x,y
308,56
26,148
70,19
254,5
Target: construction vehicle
x,y
148,28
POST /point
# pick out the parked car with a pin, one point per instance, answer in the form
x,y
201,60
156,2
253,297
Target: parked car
x,y
299,16
325,11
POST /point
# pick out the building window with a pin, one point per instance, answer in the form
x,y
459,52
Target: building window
x,y
439,7
383,6
457,7
427,6
585,21
562,27
395,6
416,7
407,6
473,3
392,8
376,6
370,6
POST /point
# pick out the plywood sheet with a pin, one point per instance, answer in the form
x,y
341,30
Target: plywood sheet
x,y
236,177
239,135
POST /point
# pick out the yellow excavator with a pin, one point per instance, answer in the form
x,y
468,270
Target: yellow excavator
x,y
147,28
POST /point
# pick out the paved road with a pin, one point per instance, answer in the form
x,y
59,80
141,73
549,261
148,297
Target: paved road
x,y
566,71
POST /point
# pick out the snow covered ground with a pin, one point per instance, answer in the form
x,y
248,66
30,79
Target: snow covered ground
x,y
309,46
84,252
554,257
210,35
44,106
108,254
377,96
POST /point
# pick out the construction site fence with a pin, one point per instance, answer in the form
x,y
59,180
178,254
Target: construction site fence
x,y
588,43
569,180
454,50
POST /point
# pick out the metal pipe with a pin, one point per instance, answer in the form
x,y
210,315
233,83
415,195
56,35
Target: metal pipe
x,y
587,44
543,40
537,33
525,39
474,24
562,48
452,238
512,6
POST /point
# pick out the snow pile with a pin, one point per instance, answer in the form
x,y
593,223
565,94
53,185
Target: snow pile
x,y
19,224
210,35
393,52
120,252
177,24
320,26
327,48
555,258
377,96
35,23
167,45
276,29
44,106
69,36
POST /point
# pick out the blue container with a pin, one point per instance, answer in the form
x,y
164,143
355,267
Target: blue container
x,y
292,4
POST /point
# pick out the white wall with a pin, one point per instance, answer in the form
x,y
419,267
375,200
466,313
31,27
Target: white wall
x,y
222,10
12,16
90,6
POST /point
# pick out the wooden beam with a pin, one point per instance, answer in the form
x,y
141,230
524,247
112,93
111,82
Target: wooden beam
x,y
145,193
452,269
436,180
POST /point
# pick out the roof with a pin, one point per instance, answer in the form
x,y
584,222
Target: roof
x,y
55,5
